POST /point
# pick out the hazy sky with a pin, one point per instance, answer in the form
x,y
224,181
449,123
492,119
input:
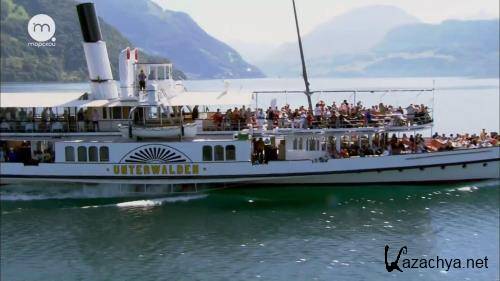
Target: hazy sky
x,y
270,21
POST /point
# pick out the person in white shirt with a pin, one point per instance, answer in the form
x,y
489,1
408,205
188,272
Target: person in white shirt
x,y
95,120
317,112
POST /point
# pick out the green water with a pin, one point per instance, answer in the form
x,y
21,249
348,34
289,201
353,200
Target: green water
x,y
252,233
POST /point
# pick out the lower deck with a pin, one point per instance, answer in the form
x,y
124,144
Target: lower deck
x,y
471,164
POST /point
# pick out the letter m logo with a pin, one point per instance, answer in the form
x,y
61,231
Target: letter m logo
x,y
41,27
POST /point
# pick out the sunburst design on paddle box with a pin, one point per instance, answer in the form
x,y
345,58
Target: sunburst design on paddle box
x,y
155,154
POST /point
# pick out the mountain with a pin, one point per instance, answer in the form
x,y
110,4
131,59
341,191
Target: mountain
x,y
354,32
253,51
177,36
452,48
65,61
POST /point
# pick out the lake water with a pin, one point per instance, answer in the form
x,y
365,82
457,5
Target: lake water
x,y
88,232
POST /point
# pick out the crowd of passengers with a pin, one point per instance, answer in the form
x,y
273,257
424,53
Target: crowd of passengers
x,y
383,145
13,119
344,115
24,154
263,152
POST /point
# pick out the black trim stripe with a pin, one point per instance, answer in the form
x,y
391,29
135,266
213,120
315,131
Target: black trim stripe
x,y
89,24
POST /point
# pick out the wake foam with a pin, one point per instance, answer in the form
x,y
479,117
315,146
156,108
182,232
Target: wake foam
x,y
159,201
467,188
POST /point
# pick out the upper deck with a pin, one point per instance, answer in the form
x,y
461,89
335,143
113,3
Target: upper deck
x,y
77,117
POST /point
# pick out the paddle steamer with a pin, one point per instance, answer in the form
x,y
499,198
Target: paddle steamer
x,y
156,134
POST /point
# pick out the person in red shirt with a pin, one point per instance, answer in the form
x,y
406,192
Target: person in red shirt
x,y
218,119
310,119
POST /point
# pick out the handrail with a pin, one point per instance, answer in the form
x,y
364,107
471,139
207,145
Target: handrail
x,y
346,91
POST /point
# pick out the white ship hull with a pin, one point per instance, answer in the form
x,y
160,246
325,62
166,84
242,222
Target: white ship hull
x,y
473,164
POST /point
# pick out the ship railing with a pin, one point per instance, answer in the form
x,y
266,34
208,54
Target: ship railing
x,y
159,73
59,126
378,121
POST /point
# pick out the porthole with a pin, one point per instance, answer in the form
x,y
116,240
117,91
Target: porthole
x,y
219,153
464,166
93,154
82,154
485,164
422,168
69,153
230,153
443,167
104,154
207,153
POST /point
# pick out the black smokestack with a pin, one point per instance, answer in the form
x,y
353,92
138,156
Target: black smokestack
x,y
89,23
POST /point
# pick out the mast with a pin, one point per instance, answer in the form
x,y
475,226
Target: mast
x,y
304,69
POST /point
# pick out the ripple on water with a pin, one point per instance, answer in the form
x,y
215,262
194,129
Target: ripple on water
x,y
278,243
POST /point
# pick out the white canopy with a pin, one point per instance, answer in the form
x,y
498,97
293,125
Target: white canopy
x,y
93,103
73,99
118,103
56,99
210,98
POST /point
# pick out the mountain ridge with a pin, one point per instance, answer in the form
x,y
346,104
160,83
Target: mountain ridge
x,y
355,31
189,46
66,61
451,48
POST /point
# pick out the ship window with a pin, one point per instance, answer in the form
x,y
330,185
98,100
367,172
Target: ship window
x,y
207,153
301,144
126,112
69,152
117,112
104,113
104,154
295,144
230,153
219,153
82,154
93,156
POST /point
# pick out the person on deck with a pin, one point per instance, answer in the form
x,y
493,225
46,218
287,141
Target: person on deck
x,y
218,119
80,117
12,155
260,146
317,112
235,119
95,120
142,80
195,114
